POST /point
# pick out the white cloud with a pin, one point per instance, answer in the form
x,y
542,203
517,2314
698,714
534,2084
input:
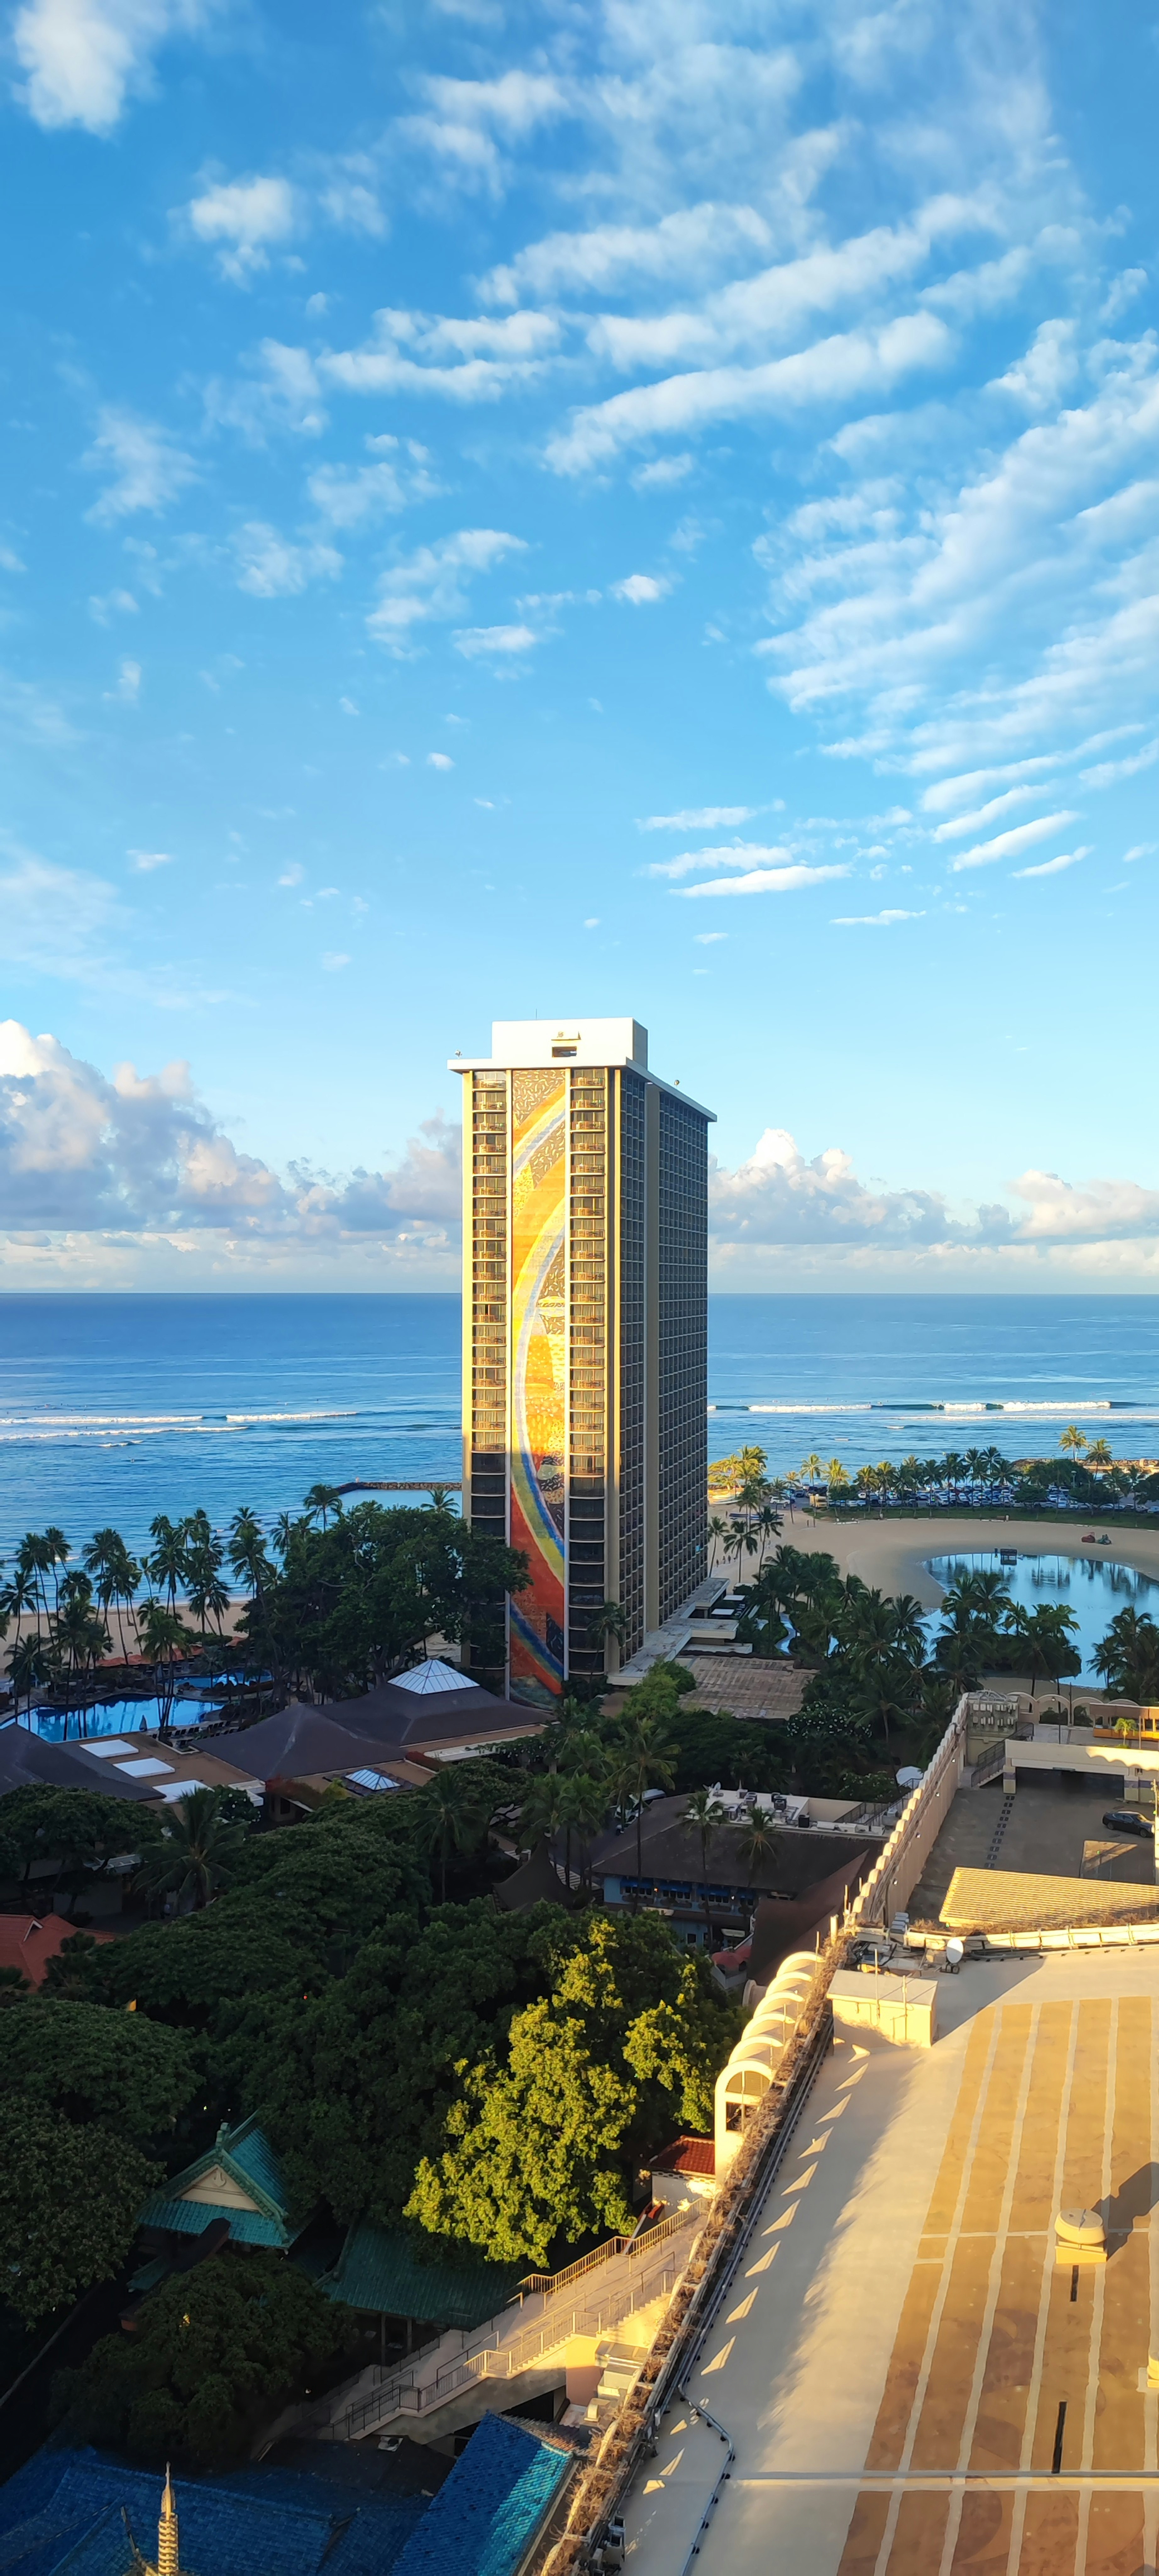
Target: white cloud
x,y
973,822
662,473
1046,373
432,583
1054,867
148,470
694,237
776,1196
293,875
84,58
85,1152
349,496
709,938
243,219
115,603
1141,850
640,589
1005,844
727,855
333,960
762,881
850,364
469,360
144,861
271,566
873,920
474,641
439,760
465,117
128,688
1109,772
698,818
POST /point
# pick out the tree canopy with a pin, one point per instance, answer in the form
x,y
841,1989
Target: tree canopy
x,y
214,2353
70,2202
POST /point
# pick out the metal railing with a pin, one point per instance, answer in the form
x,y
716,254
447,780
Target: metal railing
x,y
499,2356
550,2282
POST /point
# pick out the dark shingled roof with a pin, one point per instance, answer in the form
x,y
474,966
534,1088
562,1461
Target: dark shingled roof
x,y
795,1860
781,1926
467,1716
295,1745
497,2499
27,1757
65,2511
535,1882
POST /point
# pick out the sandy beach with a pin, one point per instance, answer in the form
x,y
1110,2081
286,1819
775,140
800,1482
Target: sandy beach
x,y
891,1555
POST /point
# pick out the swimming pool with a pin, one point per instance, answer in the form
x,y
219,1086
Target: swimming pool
x,y
1094,1588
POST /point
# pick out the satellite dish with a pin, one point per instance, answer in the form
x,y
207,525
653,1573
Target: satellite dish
x,y
955,1953
908,1778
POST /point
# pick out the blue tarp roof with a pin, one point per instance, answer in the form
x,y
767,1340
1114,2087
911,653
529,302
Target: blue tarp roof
x,y
498,2495
63,2515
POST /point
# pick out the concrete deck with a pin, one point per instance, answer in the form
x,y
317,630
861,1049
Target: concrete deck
x,y
1048,1827
901,2363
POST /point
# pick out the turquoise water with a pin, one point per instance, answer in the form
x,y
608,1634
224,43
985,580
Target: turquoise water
x,y
115,1408
1095,1591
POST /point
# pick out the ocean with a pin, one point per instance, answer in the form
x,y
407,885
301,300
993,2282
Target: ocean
x,y
115,1408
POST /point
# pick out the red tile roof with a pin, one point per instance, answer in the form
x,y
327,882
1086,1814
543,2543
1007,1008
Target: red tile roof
x,y
28,1943
687,2155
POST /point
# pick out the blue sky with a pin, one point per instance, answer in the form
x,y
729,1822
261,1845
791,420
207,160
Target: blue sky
x,y
641,509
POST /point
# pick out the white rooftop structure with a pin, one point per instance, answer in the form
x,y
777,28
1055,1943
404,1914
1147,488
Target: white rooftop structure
x,y
433,1675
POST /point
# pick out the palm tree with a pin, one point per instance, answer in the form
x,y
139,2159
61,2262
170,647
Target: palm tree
x,y
610,1620
1099,1456
167,1566
79,1634
163,1637
585,1805
320,1501
57,1548
115,1574
199,1851
541,1815
204,1558
717,1530
1045,1635
811,1468
33,1566
837,1480
741,1543
449,1816
29,1668
641,1760
758,1841
702,1815
953,1470
1073,1440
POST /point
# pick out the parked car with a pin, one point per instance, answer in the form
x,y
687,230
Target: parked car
x,y
1127,1820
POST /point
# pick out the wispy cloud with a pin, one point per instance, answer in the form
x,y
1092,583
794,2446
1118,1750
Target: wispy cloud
x,y
698,818
1005,844
1054,867
873,920
763,881
147,468
243,219
433,582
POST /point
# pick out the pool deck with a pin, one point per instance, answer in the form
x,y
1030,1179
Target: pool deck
x,y
912,2386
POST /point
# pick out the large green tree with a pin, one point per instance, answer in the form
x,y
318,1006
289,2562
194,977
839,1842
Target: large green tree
x,y
70,2200
214,2356
92,2064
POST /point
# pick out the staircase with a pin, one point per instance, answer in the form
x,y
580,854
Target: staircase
x,y
454,2381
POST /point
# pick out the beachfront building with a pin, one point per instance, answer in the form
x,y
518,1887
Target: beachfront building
x,y
584,1336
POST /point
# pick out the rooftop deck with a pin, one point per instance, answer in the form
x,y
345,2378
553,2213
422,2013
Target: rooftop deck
x,y
912,2386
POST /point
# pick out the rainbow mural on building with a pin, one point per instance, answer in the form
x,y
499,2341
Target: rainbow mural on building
x,y
538,1378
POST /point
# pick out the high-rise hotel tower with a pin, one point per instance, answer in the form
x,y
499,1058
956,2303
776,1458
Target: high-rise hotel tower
x,y
584,1336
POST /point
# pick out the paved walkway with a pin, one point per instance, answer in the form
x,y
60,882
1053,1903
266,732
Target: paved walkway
x,y
912,2386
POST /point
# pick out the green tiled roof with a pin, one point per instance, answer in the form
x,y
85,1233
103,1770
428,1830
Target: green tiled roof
x,y
377,2271
246,2155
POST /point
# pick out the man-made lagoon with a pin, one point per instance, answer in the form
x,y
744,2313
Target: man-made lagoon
x,y
1094,1588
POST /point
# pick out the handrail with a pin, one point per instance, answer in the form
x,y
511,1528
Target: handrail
x,y
550,2282
404,2393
